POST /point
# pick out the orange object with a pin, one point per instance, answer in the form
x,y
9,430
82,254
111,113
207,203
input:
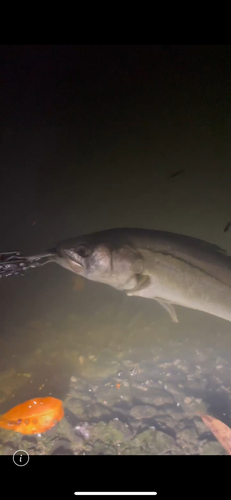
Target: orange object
x,y
118,386
220,430
34,416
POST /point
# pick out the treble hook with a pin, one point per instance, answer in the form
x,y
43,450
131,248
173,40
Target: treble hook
x,y
13,263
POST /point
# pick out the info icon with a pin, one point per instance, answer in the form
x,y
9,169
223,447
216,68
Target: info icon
x,y
21,458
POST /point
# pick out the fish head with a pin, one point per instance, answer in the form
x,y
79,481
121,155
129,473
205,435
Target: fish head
x,y
99,258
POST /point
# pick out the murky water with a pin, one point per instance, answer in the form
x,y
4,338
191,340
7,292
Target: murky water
x,y
90,139
130,383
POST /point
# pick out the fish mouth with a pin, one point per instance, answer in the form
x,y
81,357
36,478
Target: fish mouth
x,y
70,259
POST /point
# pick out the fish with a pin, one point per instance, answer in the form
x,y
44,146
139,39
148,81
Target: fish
x,y
227,227
34,416
170,268
179,172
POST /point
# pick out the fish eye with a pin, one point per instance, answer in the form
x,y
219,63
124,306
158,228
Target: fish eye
x,y
83,251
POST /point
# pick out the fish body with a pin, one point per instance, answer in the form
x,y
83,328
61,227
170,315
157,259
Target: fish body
x,y
171,268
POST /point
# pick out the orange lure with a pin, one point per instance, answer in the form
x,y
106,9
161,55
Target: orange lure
x,y
34,416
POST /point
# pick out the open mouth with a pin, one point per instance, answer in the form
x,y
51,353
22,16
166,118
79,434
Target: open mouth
x,y
73,257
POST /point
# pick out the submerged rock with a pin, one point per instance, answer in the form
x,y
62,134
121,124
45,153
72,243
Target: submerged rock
x,y
153,441
152,395
213,448
143,411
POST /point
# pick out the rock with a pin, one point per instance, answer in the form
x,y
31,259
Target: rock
x,y
213,448
154,441
7,450
83,430
100,448
173,388
76,406
200,426
175,376
194,405
61,450
64,430
187,435
97,410
75,393
197,384
151,395
175,414
143,411
187,440
121,427
163,399
110,394
78,383
79,443
106,433
59,445
182,365
202,356
167,420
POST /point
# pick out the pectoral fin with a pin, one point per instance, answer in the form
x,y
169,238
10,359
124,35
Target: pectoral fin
x,y
169,308
142,281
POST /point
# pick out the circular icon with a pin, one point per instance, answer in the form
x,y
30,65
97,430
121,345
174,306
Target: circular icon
x,y
21,458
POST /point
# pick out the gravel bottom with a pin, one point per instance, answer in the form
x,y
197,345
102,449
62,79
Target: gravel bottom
x,y
133,406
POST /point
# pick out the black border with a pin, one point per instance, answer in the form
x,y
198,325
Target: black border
x,y
170,476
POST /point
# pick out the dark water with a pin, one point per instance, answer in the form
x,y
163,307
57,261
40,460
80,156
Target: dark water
x,y
91,138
